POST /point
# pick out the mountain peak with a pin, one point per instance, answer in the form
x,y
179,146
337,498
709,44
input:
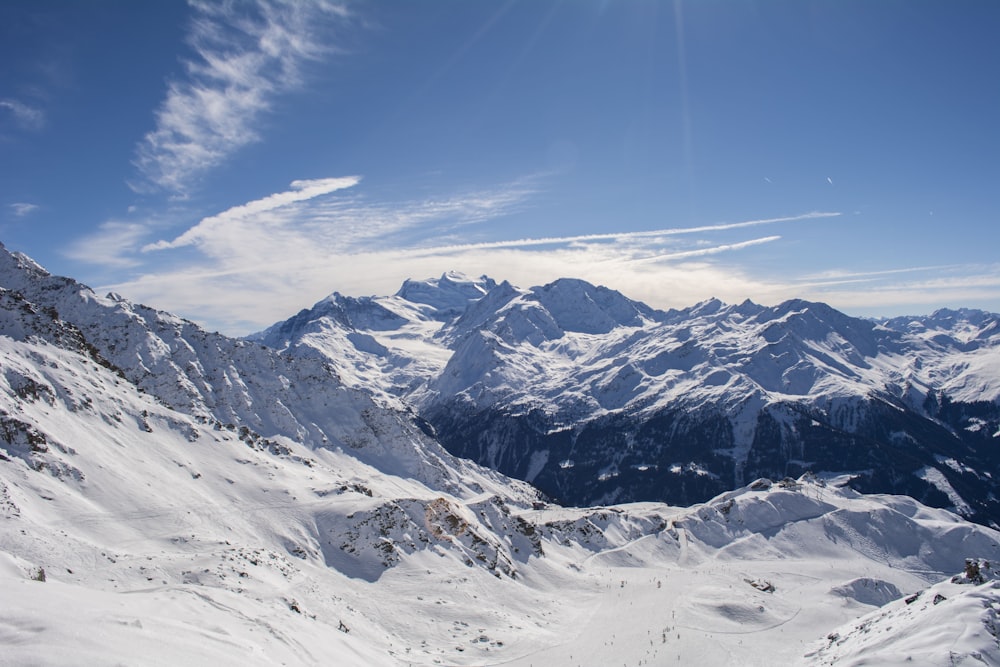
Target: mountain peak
x,y
707,307
448,295
581,307
13,265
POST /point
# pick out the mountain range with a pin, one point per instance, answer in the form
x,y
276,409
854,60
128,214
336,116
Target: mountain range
x,y
595,398
174,496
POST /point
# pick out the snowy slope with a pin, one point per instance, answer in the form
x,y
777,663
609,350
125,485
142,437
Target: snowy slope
x,y
223,381
139,527
597,398
164,540
192,539
954,622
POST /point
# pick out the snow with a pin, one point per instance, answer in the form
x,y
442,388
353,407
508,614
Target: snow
x,y
578,353
934,477
448,295
54,623
204,548
169,496
946,624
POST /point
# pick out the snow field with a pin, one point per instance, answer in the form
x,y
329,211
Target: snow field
x,y
247,508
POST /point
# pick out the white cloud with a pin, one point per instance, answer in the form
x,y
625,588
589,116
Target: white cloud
x,y
305,220
255,286
307,240
27,117
22,209
114,244
248,53
253,290
618,236
715,250
235,219
258,262
934,287
843,277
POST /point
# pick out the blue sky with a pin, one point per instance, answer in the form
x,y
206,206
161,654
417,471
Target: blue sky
x,y
235,162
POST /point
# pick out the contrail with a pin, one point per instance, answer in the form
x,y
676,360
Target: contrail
x,y
558,240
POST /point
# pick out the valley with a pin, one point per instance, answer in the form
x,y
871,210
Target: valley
x,y
170,495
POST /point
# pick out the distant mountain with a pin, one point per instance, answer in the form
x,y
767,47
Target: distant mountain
x,y
176,496
596,398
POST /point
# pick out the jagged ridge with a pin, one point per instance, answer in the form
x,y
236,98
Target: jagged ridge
x,y
596,398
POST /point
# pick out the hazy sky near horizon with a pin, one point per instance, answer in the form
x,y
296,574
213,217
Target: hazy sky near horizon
x,y
234,162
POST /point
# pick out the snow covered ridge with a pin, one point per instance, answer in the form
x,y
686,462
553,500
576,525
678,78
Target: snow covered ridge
x,y
595,398
173,496
224,381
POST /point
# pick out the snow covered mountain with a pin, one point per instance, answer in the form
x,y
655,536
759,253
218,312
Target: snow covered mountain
x,y
595,398
171,496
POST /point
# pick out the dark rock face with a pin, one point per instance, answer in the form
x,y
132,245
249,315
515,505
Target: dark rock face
x,y
682,457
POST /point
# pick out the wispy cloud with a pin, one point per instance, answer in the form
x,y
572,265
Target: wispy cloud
x,y
842,277
22,209
255,262
251,265
247,54
308,214
254,270
303,240
929,286
231,222
617,236
114,244
259,263
27,117
714,250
